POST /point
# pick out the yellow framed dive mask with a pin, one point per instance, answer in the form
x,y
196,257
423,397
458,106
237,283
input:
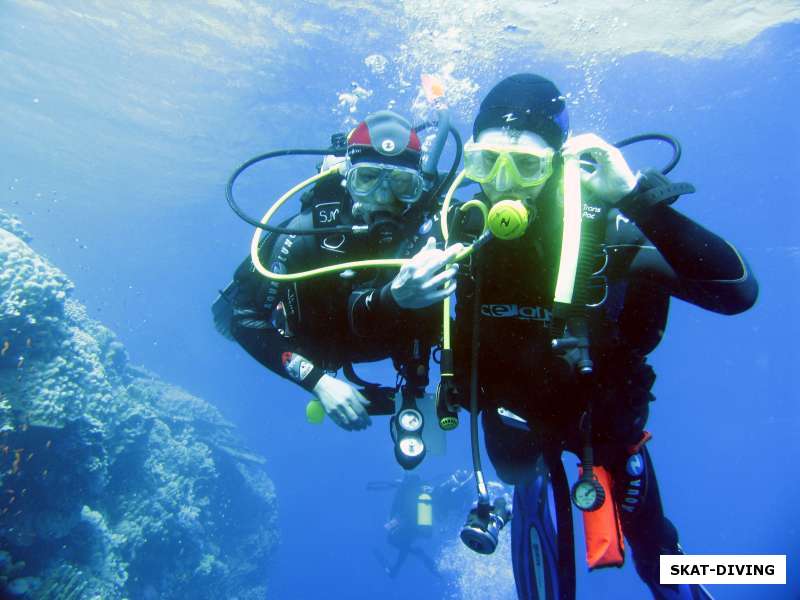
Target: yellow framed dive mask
x,y
523,166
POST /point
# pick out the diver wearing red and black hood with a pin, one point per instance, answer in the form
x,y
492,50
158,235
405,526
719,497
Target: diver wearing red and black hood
x,y
654,253
299,330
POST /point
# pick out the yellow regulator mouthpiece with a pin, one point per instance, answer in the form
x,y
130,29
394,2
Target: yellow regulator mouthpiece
x,y
508,219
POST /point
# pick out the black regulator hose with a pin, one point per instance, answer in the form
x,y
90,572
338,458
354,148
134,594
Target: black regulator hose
x,y
444,184
663,137
344,229
474,391
451,174
256,223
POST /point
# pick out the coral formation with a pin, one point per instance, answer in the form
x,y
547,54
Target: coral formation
x,y
12,224
113,483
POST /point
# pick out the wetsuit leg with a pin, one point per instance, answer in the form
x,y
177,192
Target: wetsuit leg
x,y
402,555
382,561
513,452
401,538
517,458
649,533
426,560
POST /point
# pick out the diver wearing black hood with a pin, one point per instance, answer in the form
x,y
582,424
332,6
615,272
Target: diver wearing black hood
x,y
649,252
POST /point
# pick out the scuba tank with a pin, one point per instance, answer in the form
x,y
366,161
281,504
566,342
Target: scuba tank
x,y
425,510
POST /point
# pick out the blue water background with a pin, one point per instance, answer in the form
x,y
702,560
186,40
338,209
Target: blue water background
x,y
116,158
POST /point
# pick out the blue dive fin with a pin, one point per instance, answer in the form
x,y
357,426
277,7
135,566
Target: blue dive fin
x,y
534,548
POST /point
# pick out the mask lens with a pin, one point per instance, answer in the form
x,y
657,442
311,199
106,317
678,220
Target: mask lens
x,y
528,166
405,185
479,164
532,169
364,180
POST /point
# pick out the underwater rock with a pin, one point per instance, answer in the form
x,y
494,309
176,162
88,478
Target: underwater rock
x,y
24,586
113,483
54,524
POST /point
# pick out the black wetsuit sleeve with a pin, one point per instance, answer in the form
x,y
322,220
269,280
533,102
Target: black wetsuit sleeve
x,y
373,310
689,261
254,309
374,313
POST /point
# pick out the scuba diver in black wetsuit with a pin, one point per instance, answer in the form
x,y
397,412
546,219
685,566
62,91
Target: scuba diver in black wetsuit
x,y
410,521
295,328
555,318
425,510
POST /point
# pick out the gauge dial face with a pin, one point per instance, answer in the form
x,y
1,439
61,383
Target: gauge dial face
x,y
411,447
585,494
410,420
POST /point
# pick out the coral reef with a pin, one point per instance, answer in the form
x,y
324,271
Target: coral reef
x,y
113,483
12,224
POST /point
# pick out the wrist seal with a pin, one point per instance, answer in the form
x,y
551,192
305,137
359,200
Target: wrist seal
x,y
301,370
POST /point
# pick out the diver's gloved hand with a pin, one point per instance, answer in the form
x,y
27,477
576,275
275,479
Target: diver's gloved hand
x,y
426,279
458,479
610,178
462,476
391,525
343,403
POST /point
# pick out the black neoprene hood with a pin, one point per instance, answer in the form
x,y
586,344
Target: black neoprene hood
x,y
525,102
